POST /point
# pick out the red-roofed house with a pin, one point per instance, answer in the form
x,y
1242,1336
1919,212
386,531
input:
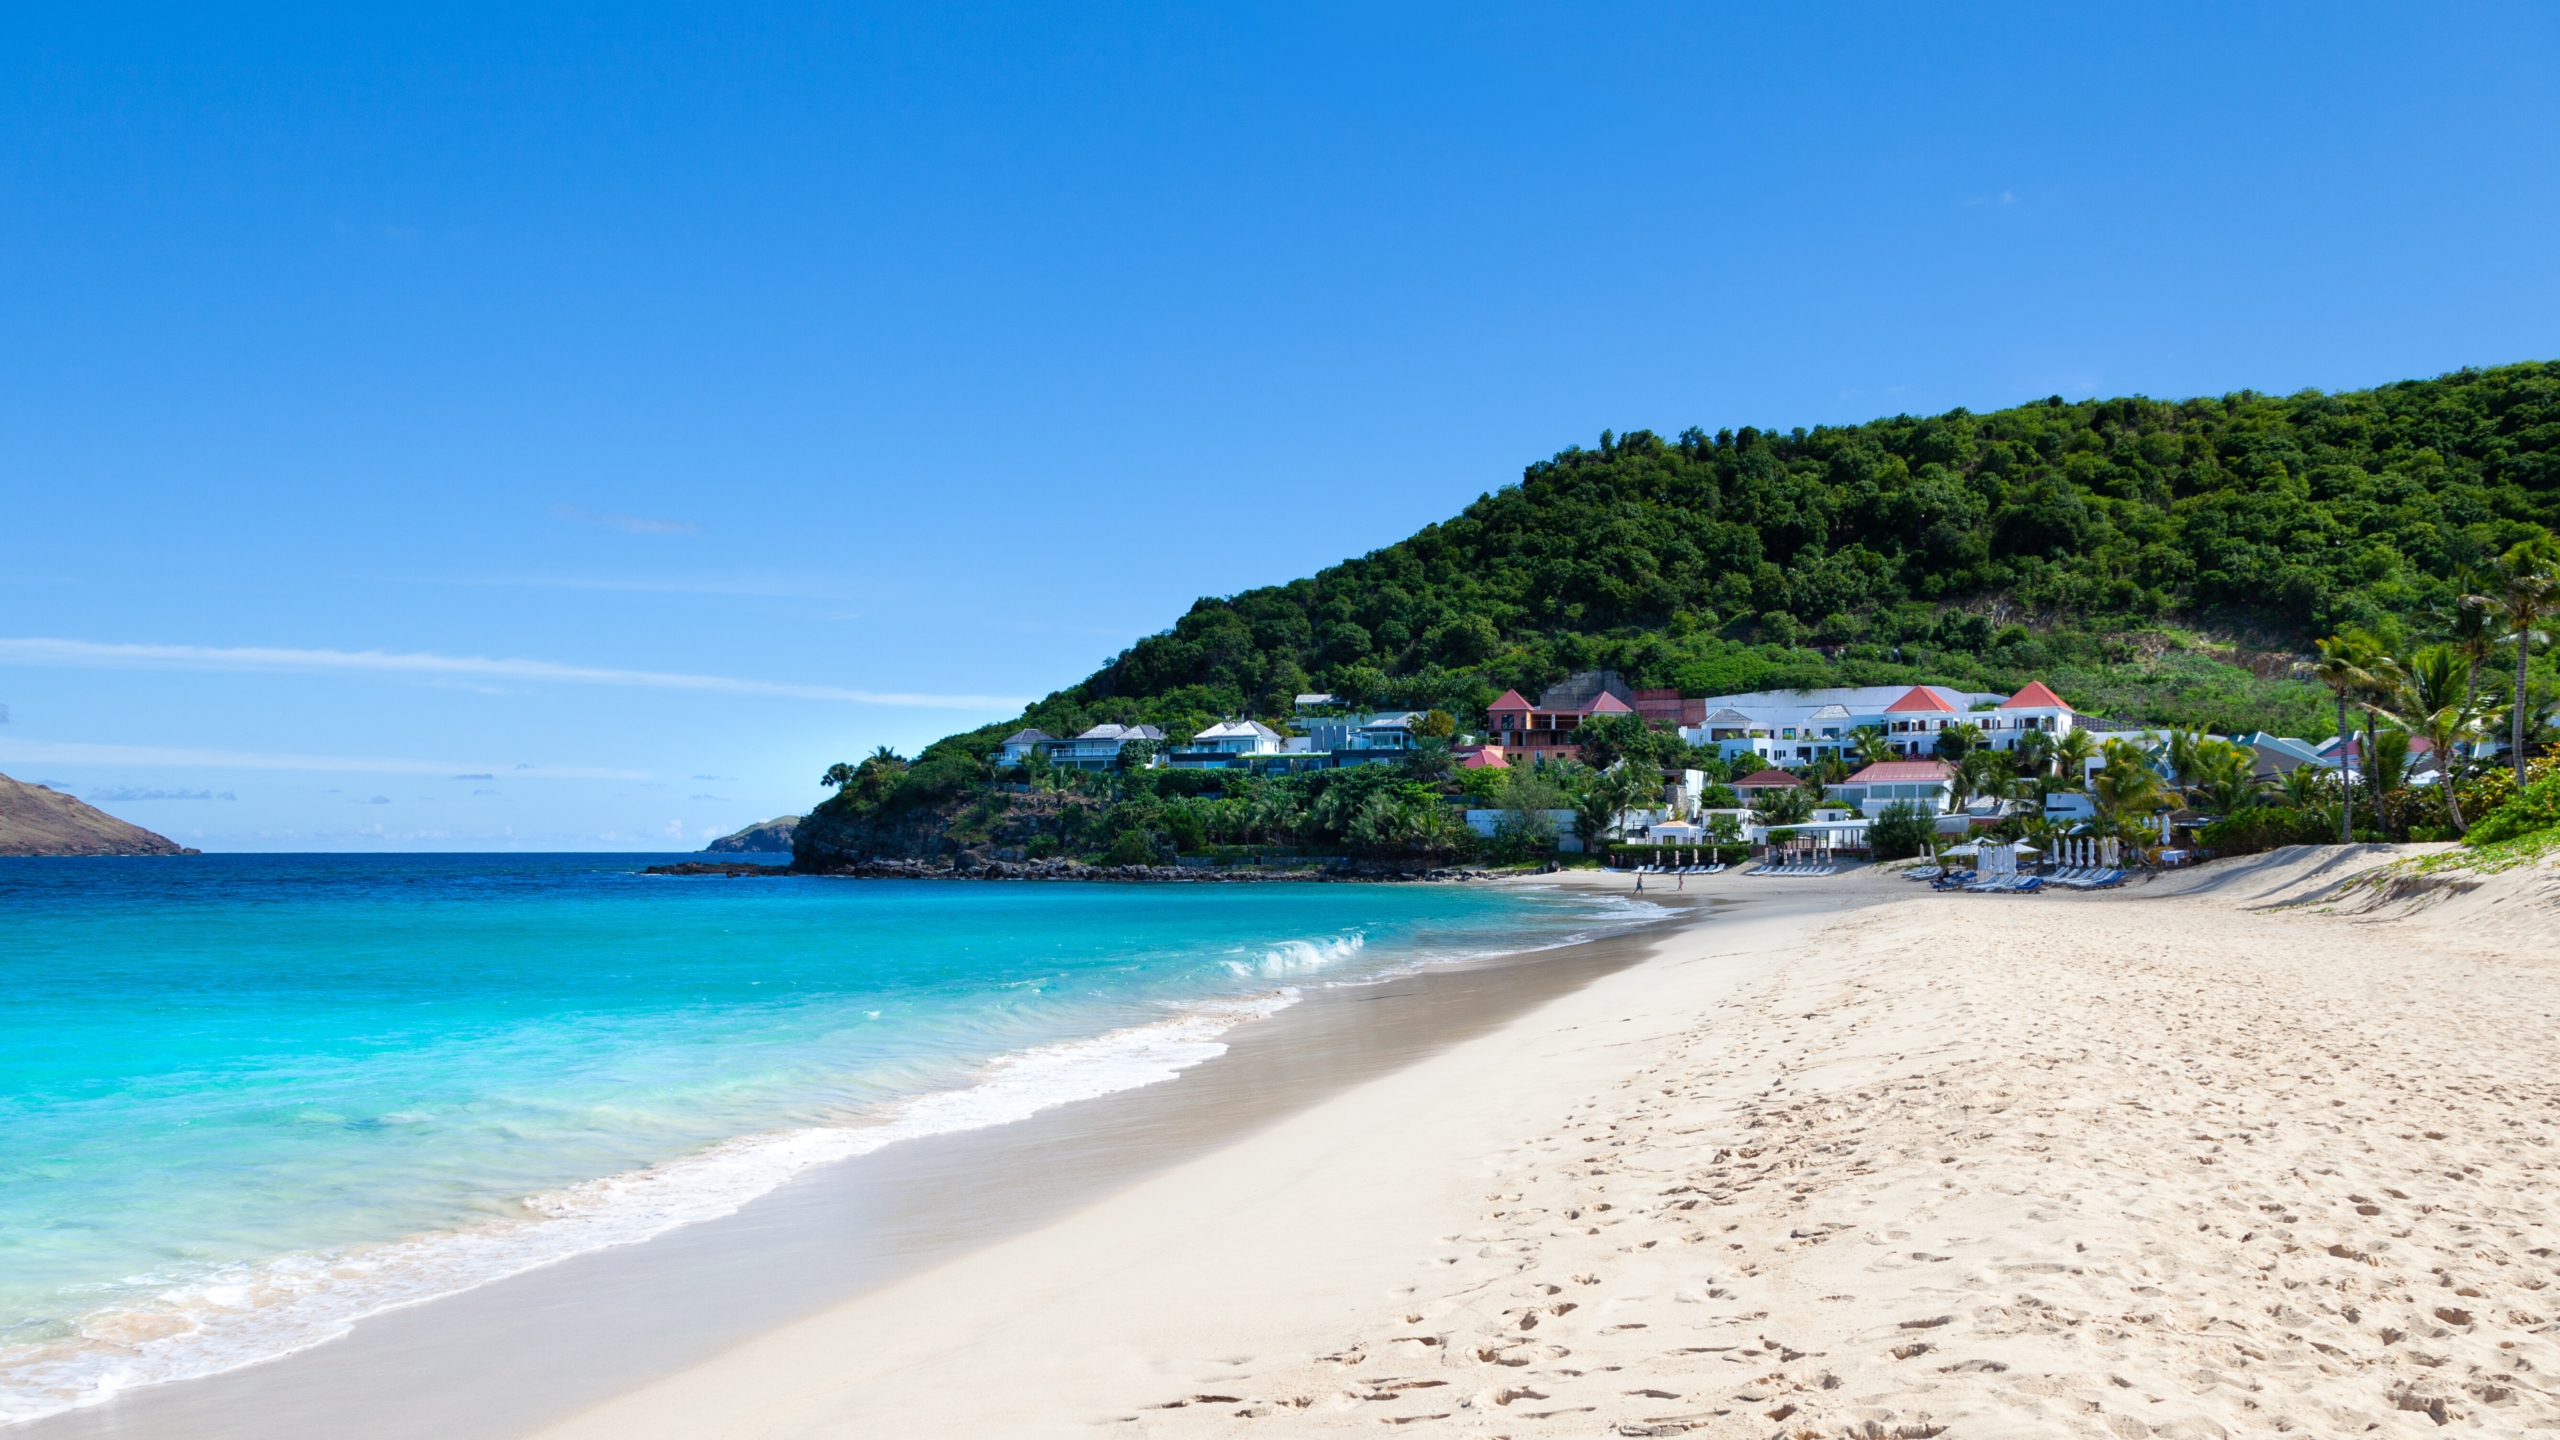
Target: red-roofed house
x,y
1480,757
1912,723
1544,731
1751,785
2034,707
1922,782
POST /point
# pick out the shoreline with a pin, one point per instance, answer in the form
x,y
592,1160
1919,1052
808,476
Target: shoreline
x,y
2191,1159
795,1233
1337,869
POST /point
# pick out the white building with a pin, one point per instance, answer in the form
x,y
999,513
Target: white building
x,y
1099,748
1225,744
1021,744
1800,727
1919,782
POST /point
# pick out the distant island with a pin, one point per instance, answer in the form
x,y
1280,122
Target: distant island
x,y
772,837
35,820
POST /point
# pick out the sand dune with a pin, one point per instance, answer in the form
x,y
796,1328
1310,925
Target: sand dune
x,y
2181,1160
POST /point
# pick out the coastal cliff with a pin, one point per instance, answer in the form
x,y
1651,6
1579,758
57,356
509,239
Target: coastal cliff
x,y
996,827
772,837
35,820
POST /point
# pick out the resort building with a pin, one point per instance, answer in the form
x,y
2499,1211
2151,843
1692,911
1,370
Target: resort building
x,y
1749,787
1225,744
1804,727
2033,709
2280,755
1544,731
1919,782
1099,748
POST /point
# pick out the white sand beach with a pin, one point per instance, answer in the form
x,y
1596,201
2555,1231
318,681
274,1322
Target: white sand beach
x,y
2159,1161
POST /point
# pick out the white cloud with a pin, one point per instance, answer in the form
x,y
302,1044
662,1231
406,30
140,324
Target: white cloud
x,y
90,654
65,752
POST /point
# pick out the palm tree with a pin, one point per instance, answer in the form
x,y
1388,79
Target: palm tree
x,y
2472,633
1959,740
2216,776
2384,686
2343,667
2300,787
2128,791
2071,756
1975,774
2437,695
2186,755
2034,752
2524,588
1870,745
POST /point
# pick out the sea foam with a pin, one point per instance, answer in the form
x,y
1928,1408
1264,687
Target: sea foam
x,y
247,1314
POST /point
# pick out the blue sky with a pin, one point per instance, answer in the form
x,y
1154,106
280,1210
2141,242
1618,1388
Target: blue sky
x,y
572,429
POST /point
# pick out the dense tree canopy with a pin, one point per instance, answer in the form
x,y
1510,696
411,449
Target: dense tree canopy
x,y
2277,517
2164,558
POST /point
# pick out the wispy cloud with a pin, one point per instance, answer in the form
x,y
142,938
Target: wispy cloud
x,y
89,654
626,524
127,792
752,586
67,752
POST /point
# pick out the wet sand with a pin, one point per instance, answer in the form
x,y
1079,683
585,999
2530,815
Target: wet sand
x,y
509,1358
1852,1159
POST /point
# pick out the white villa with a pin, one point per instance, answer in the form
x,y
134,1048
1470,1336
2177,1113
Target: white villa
x,y
1226,743
1096,749
1799,727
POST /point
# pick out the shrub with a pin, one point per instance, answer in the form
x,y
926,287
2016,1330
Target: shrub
x,y
1901,830
2264,827
1134,847
2533,809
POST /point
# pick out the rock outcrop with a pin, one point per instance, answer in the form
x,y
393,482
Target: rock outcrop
x,y
35,820
773,837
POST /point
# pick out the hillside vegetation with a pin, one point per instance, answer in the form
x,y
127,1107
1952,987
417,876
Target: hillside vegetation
x,y
2153,559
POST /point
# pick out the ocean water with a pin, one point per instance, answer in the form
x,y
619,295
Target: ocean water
x,y
247,1100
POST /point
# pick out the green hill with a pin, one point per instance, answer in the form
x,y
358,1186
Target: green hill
x,y
2150,558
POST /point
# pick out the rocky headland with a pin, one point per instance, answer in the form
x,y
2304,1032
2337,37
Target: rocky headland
x,y
35,820
770,837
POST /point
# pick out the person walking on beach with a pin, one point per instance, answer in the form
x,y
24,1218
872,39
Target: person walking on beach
x,y
1639,882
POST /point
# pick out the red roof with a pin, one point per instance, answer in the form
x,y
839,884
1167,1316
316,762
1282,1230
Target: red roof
x,y
1920,698
1609,704
1483,757
2354,748
1510,701
2033,697
1907,772
1766,780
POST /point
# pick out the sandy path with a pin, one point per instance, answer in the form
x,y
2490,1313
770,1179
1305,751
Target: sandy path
x,y
2082,1165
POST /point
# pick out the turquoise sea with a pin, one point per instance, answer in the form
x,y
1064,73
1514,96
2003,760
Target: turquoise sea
x,y
248,1099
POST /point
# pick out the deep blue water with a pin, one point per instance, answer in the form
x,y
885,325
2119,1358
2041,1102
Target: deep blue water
x,y
245,1098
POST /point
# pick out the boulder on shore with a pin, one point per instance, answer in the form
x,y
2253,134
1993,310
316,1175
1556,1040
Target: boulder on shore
x,y
35,820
